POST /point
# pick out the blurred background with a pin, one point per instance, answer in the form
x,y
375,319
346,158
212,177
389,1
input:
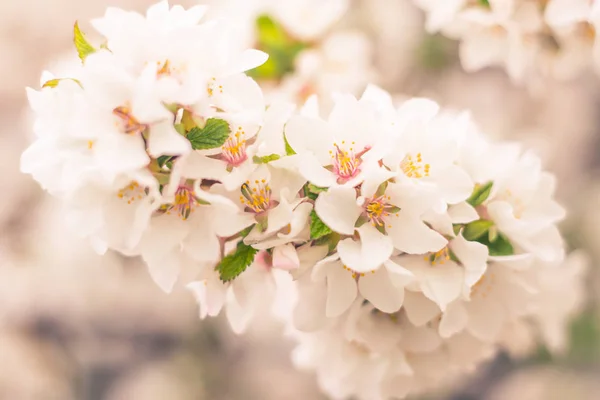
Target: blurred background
x,y
74,325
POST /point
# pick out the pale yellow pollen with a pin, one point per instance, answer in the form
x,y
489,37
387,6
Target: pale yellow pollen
x,y
413,167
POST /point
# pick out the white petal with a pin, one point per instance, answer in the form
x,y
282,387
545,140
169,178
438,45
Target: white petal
x,y
337,208
377,288
454,320
165,140
286,257
442,283
367,254
310,134
247,60
473,257
462,213
419,309
164,271
412,236
486,319
312,170
341,291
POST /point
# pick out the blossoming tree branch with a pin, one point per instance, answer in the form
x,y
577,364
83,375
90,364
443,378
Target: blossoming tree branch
x,y
404,246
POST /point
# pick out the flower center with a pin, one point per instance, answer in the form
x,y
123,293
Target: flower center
x,y
184,204
234,149
379,207
354,273
346,163
131,192
413,167
212,87
257,196
127,122
439,257
165,70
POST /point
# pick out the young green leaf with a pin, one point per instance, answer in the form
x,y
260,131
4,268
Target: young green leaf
x,y
485,3
84,48
499,247
213,135
288,149
477,229
52,83
265,159
236,262
164,160
480,194
318,229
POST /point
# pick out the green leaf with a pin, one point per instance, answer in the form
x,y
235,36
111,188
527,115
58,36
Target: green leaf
x,y
236,262
318,229
480,194
84,48
187,120
477,229
164,160
331,241
52,83
180,129
213,135
316,189
281,48
288,149
499,247
265,159
485,3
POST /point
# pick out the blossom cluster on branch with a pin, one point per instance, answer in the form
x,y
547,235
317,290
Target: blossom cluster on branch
x,y
411,247
529,38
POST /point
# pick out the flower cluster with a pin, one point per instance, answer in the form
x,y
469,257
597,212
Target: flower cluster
x,y
416,247
529,38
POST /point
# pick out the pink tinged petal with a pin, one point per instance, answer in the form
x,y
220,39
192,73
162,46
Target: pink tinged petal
x,y
486,319
473,257
454,320
286,257
419,309
165,140
341,291
377,288
442,283
462,213
337,208
367,254
410,235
